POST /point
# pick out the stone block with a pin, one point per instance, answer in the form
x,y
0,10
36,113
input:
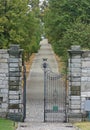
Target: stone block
x,y
14,88
75,106
85,86
86,59
14,101
4,91
86,64
85,54
13,110
3,82
3,65
86,70
75,74
15,69
4,56
14,60
13,106
75,79
3,74
5,99
15,92
3,70
5,95
14,65
75,111
75,102
85,79
16,97
15,74
3,60
3,78
14,83
76,61
83,98
3,51
4,105
85,94
74,70
3,113
2,86
3,110
75,83
14,78
87,74
75,65
75,98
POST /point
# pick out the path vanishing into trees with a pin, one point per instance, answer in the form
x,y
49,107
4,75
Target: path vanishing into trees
x,y
35,93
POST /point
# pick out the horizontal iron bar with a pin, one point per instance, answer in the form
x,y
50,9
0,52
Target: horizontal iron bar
x,y
51,111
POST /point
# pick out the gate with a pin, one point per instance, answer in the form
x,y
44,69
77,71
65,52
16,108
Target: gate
x,y
54,96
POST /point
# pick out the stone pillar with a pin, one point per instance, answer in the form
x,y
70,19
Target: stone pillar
x,y
15,95
3,82
74,92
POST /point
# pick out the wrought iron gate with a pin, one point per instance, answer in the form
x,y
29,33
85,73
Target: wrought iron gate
x,y
54,97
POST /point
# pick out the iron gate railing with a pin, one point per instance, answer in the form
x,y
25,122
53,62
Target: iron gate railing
x,y
54,96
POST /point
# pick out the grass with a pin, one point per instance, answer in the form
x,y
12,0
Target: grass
x,y
6,124
83,125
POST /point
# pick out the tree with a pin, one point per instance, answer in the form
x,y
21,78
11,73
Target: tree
x,y
19,24
12,21
61,18
79,34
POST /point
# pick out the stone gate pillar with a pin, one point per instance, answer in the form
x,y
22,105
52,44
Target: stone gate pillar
x,y
74,92
15,92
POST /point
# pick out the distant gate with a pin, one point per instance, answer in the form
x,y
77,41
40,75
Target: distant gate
x,y
54,97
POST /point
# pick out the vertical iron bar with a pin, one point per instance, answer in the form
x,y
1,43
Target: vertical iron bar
x,y
44,92
66,106
44,66
24,91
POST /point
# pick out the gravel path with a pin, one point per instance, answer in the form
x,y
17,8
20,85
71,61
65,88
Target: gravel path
x,y
35,93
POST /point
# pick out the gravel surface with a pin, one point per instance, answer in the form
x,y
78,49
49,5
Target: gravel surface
x,y
35,93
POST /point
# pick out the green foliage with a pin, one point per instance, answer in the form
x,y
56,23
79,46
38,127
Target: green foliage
x,y
19,24
68,23
79,34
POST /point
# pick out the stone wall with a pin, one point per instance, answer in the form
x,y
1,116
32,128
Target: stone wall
x,y
85,79
3,82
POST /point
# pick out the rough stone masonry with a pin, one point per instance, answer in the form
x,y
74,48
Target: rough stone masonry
x,y
79,81
11,81
11,86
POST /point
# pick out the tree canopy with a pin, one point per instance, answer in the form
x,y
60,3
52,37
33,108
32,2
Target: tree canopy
x,y
19,24
64,22
67,23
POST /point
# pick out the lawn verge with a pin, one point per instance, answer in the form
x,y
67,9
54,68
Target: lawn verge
x,y
7,124
83,125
